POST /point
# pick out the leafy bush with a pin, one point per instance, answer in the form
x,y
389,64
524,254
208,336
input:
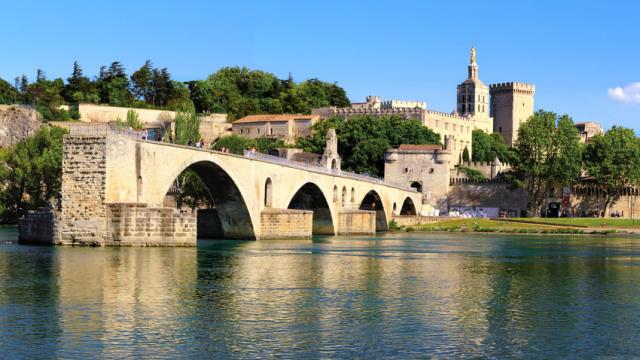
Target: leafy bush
x,y
472,174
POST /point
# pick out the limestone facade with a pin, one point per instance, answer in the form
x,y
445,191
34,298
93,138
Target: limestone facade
x,y
588,130
475,109
511,105
426,168
285,127
286,224
403,104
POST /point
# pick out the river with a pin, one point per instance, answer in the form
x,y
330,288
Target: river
x,y
399,295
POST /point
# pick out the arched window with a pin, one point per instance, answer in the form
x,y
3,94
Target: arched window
x,y
335,194
353,195
344,196
416,185
334,164
268,192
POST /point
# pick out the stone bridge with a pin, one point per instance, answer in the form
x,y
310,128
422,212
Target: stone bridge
x,y
114,187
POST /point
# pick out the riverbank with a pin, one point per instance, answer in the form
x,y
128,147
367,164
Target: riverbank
x,y
578,226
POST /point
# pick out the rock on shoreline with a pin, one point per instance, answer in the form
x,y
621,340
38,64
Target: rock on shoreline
x,y
17,123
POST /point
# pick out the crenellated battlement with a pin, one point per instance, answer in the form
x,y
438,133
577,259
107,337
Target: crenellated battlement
x,y
513,86
453,116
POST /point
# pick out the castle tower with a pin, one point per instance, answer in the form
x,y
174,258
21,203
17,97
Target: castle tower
x,y
473,94
511,104
331,158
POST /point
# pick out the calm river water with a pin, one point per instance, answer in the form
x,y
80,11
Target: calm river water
x,y
398,295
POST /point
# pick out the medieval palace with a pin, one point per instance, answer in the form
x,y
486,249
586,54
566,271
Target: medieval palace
x,y
495,108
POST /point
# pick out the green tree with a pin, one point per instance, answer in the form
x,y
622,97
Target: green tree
x,y
236,144
113,85
187,127
8,94
79,88
240,91
488,147
548,156
465,155
613,159
363,140
30,173
141,81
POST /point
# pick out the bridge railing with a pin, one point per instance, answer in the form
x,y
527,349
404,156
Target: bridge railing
x,y
92,129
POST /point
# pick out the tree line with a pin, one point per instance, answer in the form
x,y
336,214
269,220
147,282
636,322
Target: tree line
x,y
236,91
548,156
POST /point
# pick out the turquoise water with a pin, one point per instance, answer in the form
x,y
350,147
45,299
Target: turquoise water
x,y
398,295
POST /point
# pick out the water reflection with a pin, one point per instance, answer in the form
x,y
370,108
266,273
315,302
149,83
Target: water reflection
x,y
402,295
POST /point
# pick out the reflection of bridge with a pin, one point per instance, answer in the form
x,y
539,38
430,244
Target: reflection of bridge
x,y
113,188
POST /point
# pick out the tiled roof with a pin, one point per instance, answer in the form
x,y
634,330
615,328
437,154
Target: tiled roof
x,y
275,117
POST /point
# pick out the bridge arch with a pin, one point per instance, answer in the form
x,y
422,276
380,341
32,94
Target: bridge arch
x,y
310,197
231,213
408,208
373,202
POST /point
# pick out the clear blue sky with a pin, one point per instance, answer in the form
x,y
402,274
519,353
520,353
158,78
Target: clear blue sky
x,y
574,51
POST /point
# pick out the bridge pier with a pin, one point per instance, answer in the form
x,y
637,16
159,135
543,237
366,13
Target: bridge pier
x,y
356,222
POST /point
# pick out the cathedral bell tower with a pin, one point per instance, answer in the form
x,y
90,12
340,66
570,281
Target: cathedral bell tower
x,y
473,94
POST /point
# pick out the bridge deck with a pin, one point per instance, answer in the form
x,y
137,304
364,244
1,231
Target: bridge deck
x,y
107,130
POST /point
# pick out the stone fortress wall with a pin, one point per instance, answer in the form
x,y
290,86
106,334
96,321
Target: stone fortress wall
x,y
511,104
212,126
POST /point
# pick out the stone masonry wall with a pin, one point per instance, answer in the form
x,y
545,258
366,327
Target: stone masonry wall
x,y
139,225
38,227
83,219
356,222
286,224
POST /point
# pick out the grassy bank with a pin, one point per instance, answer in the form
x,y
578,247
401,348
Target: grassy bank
x,y
583,222
518,226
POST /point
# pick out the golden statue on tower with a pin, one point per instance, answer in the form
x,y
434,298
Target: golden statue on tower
x,y
473,55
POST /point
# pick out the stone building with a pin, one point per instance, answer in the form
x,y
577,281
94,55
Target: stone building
x,y
403,104
588,130
473,110
511,104
285,127
425,168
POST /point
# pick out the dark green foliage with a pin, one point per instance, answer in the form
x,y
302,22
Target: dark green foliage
x,y
363,140
240,91
53,113
613,159
193,191
548,156
488,147
472,174
30,172
232,90
8,94
465,155
238,144
113,85
187,127
79,88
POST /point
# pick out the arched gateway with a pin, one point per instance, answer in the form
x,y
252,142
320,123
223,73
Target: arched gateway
x,y
114,188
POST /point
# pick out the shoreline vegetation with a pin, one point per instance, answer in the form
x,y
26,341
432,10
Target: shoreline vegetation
x,y
572,226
